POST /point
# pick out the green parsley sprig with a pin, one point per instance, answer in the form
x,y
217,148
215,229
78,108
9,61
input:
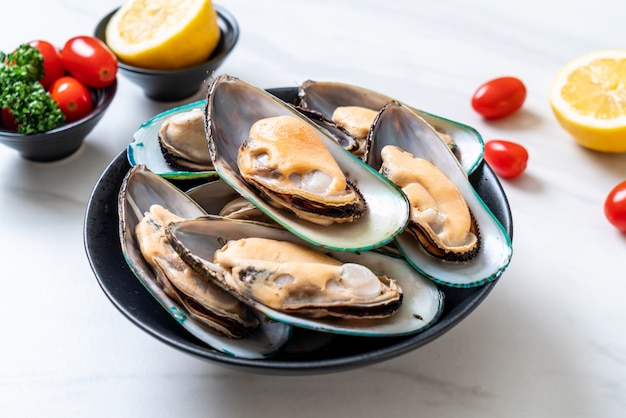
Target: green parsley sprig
x,y
20,91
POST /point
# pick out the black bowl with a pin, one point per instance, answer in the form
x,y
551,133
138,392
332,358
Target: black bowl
x,y
310,352
171,85
63,141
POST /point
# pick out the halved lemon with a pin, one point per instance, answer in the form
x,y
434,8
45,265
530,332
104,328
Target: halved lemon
x,y
588,98
163,34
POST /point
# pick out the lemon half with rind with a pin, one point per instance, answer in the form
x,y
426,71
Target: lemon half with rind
x,y
588,98
163,34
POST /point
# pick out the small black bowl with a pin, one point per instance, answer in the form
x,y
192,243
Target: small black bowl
x,y
63,141
171,85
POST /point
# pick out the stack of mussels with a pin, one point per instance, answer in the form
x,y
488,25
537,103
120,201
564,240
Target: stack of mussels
x,y
340,214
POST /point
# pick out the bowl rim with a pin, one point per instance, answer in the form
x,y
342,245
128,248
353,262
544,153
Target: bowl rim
x,y
228,26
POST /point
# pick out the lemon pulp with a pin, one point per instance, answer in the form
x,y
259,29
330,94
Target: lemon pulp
x,y
164,34
588,98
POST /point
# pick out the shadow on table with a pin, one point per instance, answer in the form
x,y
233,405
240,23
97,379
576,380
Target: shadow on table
x,y
500,356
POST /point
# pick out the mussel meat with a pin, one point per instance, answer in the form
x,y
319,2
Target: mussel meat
x,y
183,141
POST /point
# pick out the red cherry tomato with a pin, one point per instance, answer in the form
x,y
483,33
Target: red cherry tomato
x,y
90,61
53,66
73,97
8,120
508,159
615,206
499,97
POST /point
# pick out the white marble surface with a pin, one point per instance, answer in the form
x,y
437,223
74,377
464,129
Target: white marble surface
x,y
549,340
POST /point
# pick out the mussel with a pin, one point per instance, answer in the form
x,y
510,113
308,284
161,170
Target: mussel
x,y
293,171
201,298
173,144
310,184
452,237
439,216
183,141
293,281
147,204
348,112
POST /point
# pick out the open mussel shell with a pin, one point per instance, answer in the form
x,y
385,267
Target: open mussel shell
x,y
397,124
218,198
234,105
145,149
213,195
324,97
422,303
141,189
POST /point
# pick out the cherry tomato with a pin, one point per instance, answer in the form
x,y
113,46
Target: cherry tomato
x,y
53,66
90,61
73,97
8,120
615,206
507,159
499,97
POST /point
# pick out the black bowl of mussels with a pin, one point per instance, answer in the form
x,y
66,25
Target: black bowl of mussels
x,y
395,306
